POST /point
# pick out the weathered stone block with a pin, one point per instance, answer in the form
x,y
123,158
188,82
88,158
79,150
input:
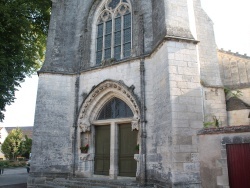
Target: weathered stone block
x,y
181,157
222,180
191,167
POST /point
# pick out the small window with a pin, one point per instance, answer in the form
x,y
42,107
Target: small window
x,y
114,109
114,36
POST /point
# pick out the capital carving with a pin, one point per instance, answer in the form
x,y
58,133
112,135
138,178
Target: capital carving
x,y
135,124
84,126
137,157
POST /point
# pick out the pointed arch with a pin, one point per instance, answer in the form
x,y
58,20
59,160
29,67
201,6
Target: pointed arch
x,y
111,31
100,95
114,109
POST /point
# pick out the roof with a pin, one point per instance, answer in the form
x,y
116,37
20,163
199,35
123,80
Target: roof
x,y
245,56
26,130
235,103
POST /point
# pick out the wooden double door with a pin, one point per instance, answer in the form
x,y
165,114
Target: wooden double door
x,y
127,141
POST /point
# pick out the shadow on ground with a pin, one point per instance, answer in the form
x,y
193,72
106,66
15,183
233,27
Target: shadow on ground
x,y
22,185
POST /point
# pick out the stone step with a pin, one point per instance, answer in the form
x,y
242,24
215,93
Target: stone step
x,y
91,183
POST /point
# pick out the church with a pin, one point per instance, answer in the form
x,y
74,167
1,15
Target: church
x,y
135,93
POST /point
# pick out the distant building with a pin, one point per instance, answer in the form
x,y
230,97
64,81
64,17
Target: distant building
x,y
3,135
5,131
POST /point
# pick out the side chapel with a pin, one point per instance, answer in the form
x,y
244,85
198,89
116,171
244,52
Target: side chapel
x,y
124,92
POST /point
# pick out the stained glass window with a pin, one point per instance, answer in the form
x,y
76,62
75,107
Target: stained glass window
x,y
118,24
117,55
113,4
100,30
109,27
114,109
127,49
117,38
114,31
99,45
127,21
127,35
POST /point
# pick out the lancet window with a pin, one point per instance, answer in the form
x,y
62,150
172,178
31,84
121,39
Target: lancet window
x,y
114,34
114,109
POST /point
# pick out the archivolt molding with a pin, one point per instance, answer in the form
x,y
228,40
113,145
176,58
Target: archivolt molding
x,y
99,96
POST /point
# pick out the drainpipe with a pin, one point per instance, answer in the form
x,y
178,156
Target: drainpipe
x,y
77,83
143,109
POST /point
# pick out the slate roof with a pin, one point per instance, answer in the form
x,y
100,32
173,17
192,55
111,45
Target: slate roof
x,y
26,130
235,103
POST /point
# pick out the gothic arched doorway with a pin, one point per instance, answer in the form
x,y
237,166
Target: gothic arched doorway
x,y
109,124
121,148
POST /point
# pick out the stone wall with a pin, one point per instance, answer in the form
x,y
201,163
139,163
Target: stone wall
x,y
234,69
235,73
158,117
182,85
214,106
71,30
213,156
53,126
207,49
186,111
174,114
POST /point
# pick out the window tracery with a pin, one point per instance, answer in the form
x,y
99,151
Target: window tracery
x,y
114,37
115,108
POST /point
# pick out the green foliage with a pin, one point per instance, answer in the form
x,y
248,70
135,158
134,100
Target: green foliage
x,y
11,145
23,31
25,147
230,93
4,164
214,123
84,148
208,124
7,164
137,147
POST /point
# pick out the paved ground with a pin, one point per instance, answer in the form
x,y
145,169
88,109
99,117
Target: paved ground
x,y
14,178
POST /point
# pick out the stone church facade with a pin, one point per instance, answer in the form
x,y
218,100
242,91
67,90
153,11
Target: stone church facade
x,y
126,74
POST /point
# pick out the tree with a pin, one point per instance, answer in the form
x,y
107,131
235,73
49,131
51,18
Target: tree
x,y
11,145
23,31
25,147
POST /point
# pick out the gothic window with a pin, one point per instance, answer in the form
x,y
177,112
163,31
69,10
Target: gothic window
x,y
113,39
114,109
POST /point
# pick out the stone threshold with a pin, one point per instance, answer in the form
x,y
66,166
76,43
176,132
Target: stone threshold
x,y
225,130
103,182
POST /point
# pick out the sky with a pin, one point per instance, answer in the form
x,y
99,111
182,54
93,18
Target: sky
x,y
231,20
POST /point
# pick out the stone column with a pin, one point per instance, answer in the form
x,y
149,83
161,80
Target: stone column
x,y
113,171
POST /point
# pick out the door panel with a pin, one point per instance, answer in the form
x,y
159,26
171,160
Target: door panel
x,y
238,158
102,150
127,144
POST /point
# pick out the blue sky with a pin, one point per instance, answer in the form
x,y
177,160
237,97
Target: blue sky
x,y
232,32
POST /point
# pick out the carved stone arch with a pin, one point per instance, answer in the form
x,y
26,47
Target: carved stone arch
x,y
93,17
127,5
99,96
95,9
